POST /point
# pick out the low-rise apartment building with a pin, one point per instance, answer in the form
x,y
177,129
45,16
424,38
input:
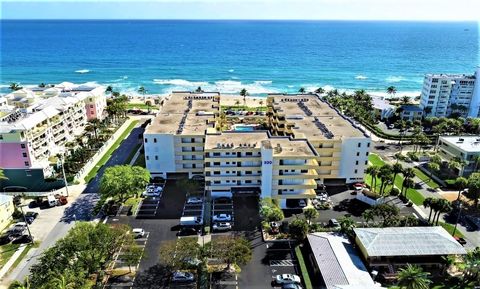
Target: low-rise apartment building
x,y
465,148
444,94
6,210
37,123
189,137
411,112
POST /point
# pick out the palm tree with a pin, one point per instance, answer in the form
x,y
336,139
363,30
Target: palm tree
x,y
457,163
413,277
368,215
391,90
444,206
373,172
20,285
42,85
460,183
408,174
346,225
93,126
199,89
433,167
405,100
109,89
15,86
61,282
301,90
320,90
397,168
142,90
385,175
244,94
429,203
476,162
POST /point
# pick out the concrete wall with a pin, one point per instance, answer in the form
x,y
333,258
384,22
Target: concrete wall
x,y
6,210
159,153
349,169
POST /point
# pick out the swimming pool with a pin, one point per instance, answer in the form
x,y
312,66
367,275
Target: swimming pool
x,y
244,127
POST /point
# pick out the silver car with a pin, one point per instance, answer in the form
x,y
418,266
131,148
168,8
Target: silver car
x,y
222,226
182,277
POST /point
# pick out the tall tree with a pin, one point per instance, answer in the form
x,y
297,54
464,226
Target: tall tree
x,y
244,94
391,90
123,182
413,277
461,184
474,187
397,168
320,90
142,90
385,175
176,254
429,203
373,172
15,86
132,255
298,229
310,214
301,90
232,250
405,100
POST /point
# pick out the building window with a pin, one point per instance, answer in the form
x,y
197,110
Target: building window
x,y
248,153
248,172
148,158
358,154
27,164
24,155
356,163
216,154
156,158
359,144
155,140
366,154
227,163
216,163
22,145
146,140
216,172
366,162
368,145
356,171
227,172
216,182
248,181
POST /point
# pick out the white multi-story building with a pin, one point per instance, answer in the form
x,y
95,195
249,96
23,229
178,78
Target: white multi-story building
x,y
465,148
444,94
35,124
305,142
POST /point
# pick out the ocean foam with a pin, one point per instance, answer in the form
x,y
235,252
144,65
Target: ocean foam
x,y
361,77
231,70
394,79
180,82
82,71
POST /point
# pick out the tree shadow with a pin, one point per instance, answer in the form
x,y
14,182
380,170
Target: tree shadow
x,y
155,277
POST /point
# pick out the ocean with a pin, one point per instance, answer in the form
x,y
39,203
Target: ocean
x,y
261,56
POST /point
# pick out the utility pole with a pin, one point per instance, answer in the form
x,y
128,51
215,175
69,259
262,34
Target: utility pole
x,y
63,172
25,219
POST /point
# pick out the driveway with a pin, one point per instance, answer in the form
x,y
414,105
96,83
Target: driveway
x,y
79,210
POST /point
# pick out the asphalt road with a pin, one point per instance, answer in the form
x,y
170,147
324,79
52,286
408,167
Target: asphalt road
x,y
81,209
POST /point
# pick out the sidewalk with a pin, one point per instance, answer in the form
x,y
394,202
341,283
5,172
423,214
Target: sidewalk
x,y
12,260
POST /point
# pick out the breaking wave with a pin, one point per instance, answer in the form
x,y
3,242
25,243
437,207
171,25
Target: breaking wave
x,y
82,71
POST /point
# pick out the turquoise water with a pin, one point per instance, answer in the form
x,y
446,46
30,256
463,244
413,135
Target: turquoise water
x,y
243,128
262,56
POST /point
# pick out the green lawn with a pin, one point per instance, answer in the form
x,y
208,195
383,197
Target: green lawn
x,y
412,194
6,252
375,160
449,228
303,268
108,153
426,179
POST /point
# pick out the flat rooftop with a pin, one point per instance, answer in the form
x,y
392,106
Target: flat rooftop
x,y
465,143
185,114
338,262
249,140
408,241
313,118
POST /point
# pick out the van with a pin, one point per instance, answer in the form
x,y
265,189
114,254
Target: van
x,y
52,202
191,221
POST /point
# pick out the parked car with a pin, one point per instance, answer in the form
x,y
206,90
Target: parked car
x,y
187,231
287,279
23,239
358,186
138,232
5,238
194,200
62,200
222,218
302,203
182,277
333,223
20,226
291,286
222,226
31,214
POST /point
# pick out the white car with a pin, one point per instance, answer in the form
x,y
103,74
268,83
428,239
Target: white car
x,y
302,203
287,279
182,277
194,200
223,226
138,232
222,218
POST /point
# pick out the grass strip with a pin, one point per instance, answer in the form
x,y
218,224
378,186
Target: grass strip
x,y
303,268
449,228
6,252
134,202
426,179
109,152
375,160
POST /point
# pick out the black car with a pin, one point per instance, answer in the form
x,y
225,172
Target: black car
x,y
5,239
33,215
23,240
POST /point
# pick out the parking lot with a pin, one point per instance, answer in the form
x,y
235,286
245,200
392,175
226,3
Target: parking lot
x,y
149,206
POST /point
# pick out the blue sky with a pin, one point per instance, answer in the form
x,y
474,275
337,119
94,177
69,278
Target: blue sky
x,y
450,10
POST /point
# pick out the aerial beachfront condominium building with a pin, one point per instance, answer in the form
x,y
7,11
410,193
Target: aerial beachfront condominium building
x,y
189,137
37,123
465,148
444,94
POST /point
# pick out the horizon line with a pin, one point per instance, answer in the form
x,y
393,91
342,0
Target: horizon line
x,y
239,19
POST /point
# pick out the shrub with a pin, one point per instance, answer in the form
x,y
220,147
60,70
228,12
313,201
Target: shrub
x,y
413,156
395,192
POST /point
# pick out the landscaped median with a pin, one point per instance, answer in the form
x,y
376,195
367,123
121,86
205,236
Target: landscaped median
x,y
303,268
108,153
